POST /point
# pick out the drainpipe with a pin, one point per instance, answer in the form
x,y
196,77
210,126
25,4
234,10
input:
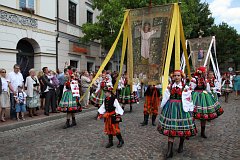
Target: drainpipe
x,y
57,34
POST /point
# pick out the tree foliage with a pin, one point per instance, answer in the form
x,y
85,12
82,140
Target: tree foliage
x,y
228,43
195,15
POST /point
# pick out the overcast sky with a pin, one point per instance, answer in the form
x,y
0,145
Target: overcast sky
x,y
226,11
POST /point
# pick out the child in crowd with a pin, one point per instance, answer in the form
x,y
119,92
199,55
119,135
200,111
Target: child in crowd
x,y
20,99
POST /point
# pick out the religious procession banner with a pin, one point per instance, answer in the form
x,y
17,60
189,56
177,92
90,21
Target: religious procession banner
x,y
148,38
199,49
149,29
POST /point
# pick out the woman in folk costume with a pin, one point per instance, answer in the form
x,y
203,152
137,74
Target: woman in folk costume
x,y
206,107
227,86
69,102
126,97
152,102
175,119
98,97
111,111
214,84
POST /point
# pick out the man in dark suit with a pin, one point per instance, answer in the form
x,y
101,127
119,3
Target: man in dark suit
x,y
49,90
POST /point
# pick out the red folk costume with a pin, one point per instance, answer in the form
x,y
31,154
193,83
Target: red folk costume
x,y
151,105
111,111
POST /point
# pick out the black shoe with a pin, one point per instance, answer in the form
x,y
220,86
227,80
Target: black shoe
x,y
145,121
153,120
130,108
47,114
180,148
109,145
67,124
73,122
203,132
170,152
121,141
110,141
120,144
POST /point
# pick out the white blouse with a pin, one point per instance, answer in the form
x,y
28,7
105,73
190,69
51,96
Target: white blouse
x,y
187,102
29,84
4,84
118,108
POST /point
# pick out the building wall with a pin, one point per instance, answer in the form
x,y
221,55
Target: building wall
x,y
9,3
71,33
42,37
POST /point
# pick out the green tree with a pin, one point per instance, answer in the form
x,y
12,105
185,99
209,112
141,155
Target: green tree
x,y
227,43
195,15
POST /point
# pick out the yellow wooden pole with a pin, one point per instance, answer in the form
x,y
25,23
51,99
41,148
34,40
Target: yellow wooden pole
x,y
177,40
170,48
124,46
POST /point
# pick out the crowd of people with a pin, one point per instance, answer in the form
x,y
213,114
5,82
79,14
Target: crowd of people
x,y
43,90
184,100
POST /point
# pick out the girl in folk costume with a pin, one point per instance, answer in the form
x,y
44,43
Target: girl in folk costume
x,y
111,111
214,85
98,97
126,97
175,119
152,102
69,102
206,107
227,86
136,85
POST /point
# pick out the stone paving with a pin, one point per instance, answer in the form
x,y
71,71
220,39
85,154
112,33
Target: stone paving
x,y
87,141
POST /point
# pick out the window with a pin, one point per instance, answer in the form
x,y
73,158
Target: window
x,y
89,17
72,12
31,4
22,3
89,66
74,64
26,4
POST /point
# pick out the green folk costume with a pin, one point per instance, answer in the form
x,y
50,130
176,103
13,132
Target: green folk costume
x,y
175,119
206,107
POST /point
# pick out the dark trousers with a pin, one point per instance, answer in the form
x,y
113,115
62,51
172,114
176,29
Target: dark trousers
x,y
60,93
12,105
50,100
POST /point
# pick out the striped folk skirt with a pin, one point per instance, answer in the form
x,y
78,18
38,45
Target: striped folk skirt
x,y
206,106
175,122
97,98
126,97
69,103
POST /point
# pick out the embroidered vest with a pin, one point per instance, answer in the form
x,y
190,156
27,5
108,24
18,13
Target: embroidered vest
x,y
176,92
109,102
201,85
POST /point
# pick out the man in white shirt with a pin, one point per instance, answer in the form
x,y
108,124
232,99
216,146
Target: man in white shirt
x,y
16,79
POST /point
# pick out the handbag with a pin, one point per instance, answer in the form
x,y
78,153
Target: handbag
x,y
116,118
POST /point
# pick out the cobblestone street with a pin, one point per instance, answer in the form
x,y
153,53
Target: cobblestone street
x,y
87,141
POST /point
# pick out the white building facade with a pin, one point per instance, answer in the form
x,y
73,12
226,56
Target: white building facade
x,y
33,35
72,15
27,34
